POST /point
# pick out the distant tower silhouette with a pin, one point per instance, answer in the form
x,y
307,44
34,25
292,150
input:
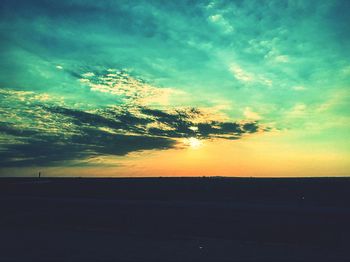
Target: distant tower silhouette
x,y
39,174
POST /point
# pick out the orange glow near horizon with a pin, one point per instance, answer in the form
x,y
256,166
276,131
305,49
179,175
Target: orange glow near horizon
x,y
269,156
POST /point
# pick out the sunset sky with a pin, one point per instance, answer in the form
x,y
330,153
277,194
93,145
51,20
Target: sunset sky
x,y
175,88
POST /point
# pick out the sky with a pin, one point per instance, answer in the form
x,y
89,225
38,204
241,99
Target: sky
x,y
257,88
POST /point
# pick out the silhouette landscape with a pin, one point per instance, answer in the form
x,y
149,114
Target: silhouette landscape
x,y
175,219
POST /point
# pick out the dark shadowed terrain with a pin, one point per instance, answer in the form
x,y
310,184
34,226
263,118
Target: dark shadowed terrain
x,y
174,219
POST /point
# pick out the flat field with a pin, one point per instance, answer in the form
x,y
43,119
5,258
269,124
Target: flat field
x,y
174,219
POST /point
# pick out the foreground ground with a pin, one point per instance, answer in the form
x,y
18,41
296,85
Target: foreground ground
x,y
174,219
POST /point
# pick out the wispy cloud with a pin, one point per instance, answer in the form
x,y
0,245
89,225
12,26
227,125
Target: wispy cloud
x,y
248,77
220,21
241,74
130,89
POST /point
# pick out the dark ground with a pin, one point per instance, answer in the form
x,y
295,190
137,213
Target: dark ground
x,y
174,219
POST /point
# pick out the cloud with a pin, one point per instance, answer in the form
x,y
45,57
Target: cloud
x,y
48,133
250,114
43,149
282,58
298,110
219,20
248,77
298,88
241,74
132,90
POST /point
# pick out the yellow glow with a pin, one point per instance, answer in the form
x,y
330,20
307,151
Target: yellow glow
x,y
193,142
268,155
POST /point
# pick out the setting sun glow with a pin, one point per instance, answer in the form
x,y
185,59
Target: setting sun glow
x,y
194,142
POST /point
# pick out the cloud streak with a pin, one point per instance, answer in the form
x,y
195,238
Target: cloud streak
x,y
69,135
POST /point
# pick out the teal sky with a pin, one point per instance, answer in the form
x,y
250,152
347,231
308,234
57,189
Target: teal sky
x,y
95,84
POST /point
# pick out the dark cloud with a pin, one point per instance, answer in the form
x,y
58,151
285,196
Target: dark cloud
x,y
44,149
183,124
111,131
7,128
180,122
230,128
250,127
101,142
84,118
